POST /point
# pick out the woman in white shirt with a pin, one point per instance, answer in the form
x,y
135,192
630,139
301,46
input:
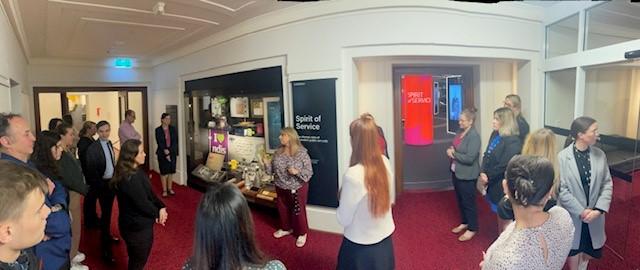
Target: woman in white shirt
x,y
365,203
537,239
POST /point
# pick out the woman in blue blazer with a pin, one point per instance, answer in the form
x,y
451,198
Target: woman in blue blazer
x,y
504,143
54,250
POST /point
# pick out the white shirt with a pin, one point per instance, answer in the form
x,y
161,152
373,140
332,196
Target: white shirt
x,y
108,157
353,213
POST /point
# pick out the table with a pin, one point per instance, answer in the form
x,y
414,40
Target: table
x,y
263,196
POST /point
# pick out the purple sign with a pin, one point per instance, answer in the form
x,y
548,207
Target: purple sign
x,y
220,142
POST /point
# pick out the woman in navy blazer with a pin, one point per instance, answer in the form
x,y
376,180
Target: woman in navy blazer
x,y
585,190
504,143
167,140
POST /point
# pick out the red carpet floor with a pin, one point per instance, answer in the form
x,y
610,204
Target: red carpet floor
x,y
422,239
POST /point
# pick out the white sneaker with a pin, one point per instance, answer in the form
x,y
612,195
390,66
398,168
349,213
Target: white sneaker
x,y
79,258
302,239
77,266
281,233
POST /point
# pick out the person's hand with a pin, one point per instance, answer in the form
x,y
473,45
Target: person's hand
x,y
51,186
266,160
46,238
166,151
168,158
484,179
483,257
450,152
594,214
163,215
585,213
293,171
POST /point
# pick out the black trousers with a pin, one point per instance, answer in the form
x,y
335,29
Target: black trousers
x,y
138,246
106,196
89,206
466,197
378,256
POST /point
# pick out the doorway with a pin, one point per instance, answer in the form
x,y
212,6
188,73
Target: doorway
x,y
93,104
422,163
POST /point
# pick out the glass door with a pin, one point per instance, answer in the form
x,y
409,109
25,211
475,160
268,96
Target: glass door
x,y
50,105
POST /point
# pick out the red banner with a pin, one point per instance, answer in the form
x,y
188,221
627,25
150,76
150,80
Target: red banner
x,y
417,109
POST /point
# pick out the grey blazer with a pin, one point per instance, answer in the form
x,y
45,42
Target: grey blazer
x,y
572,196
467,156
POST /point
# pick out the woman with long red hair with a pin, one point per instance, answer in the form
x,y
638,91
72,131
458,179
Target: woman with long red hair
x,y
365,202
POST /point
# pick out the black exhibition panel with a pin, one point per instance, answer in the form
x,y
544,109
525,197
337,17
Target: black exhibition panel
x,y
314,118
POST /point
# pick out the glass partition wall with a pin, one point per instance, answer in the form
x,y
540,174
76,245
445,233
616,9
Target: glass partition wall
x,y
586,75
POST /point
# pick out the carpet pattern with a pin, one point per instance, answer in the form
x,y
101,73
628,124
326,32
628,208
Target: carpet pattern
x,y
422,239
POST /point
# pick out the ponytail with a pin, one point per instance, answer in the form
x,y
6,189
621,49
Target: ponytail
x,y
579,125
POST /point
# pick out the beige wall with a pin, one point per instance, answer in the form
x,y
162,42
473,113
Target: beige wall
x,y
13,65
612,96
50,107
109,110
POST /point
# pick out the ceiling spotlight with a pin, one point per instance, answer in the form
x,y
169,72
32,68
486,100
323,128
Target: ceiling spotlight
x,y
158,8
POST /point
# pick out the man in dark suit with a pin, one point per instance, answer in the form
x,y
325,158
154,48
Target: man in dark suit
x,y
100,159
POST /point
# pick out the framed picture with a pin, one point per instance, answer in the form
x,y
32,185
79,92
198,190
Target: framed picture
x,y
239,107
272,123
257,110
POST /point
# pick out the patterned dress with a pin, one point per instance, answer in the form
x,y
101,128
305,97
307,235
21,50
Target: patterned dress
x,y
522,248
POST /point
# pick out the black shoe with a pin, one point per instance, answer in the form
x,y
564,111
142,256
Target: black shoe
x,y
108,258
92,224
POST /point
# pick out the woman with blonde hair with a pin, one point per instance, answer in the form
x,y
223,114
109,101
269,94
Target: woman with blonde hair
x,y
513,102
291,166
503,145
365,203
541,143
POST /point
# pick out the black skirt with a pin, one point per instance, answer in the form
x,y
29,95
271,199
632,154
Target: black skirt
x,y
378,256
167,167
585,244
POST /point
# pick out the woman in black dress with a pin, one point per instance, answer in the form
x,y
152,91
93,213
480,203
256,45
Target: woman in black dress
x,y
86,138
89,203
167,140
139,207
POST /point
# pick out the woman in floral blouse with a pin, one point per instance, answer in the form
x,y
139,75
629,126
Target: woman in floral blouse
x,y
291,166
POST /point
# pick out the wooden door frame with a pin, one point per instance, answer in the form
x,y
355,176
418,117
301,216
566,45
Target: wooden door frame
x,y
65,105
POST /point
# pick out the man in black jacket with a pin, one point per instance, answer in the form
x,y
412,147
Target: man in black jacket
x,y
101,164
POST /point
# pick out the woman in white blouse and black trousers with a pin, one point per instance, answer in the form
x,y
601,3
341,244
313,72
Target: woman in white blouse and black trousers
x,y
365,203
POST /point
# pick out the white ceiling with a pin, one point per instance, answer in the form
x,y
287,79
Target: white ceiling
x,y
102,29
